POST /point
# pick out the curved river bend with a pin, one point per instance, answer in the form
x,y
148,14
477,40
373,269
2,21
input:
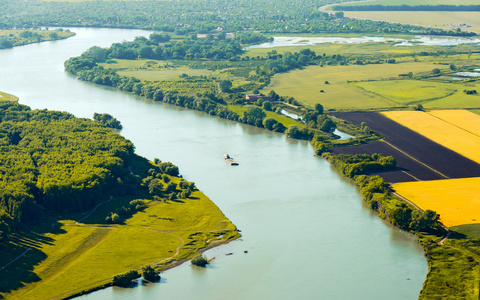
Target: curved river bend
x,y
307,232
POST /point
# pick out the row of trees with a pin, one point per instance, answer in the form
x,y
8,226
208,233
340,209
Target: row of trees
x,y
375,191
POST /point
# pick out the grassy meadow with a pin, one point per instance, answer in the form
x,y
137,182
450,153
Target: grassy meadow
x,y
456,200
451,136
340,93
65,260
152,70
7,97
432,94
458,100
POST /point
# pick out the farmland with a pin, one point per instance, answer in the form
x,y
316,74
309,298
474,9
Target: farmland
x,y
408,91
460,118
438,160
446,134
413,2
437,19
305,85
456,200
407,168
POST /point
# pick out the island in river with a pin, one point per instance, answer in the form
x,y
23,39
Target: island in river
x,y
75,196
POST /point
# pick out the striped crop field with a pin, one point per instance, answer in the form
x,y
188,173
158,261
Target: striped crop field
x,y
458,136
456,200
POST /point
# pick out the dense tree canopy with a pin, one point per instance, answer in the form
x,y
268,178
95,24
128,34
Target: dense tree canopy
x,y
51,160
188,16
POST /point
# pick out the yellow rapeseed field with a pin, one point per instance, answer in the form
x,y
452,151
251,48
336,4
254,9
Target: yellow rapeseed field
x,y
461,118
456,200
444,133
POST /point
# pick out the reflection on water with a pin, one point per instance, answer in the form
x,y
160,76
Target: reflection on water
x,y
280,41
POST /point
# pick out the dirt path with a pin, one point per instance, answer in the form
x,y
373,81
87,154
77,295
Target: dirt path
x,y
416,160
94,209
106,281
15,259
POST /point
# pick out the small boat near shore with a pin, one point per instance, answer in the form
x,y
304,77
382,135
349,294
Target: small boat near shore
x,y
230,160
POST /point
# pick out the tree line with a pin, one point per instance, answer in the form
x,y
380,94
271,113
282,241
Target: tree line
x,y
375,191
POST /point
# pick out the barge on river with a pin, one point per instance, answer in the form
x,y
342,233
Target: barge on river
x,y
230,160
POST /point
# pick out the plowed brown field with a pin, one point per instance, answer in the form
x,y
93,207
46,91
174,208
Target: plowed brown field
x,y
420,157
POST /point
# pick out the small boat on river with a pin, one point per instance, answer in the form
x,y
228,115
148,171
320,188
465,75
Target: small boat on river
x,y
230,160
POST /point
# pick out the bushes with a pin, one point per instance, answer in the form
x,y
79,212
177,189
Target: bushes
x,y
149,273
200,261
125,279
352,165
107,120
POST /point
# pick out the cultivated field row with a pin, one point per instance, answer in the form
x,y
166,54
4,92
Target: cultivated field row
x,y
420,157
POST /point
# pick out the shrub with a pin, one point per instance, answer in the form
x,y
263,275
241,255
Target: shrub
x,y
200,261
150,274
125,279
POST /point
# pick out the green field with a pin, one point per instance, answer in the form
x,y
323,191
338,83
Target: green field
x,y
7,97
408,91
66,260
458,100
152,70
305,85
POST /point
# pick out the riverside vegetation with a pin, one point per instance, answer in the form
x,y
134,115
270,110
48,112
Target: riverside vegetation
x,y
197,66
56,169
215,81
13,38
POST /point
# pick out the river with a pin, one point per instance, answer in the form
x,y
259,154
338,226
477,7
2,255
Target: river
x,y
306,230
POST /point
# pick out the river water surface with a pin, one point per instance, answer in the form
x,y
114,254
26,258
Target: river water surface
x,y
306,230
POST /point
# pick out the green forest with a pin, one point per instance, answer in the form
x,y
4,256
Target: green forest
x,y
191,16
53,162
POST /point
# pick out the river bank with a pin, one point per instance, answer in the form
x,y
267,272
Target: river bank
x,y
10,38
295,203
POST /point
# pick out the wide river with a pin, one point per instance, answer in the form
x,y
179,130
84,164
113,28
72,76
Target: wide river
x,y
306,230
